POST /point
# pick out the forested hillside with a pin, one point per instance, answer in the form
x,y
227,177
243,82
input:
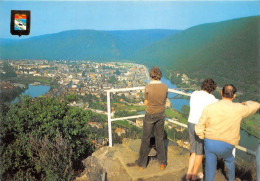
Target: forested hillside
x,y
226,51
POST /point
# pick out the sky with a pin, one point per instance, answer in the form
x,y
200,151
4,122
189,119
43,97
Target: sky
x,y
49,17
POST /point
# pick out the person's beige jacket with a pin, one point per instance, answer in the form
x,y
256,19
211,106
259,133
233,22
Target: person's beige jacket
x,y
221,120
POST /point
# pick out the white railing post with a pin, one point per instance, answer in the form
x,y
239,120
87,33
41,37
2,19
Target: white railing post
x,y
109,119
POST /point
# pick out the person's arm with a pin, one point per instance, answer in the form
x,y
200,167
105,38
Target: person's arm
x,y
145,96
167,92
200,127
250,107
145,102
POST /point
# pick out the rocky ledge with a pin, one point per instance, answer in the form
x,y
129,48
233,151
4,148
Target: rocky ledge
x,y
117,163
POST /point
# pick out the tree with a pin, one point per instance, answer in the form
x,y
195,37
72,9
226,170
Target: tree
x,y
92,70
117,72
103,98
9,71
71,97
84,73
10,94
185,111
53,124
185,135
112,79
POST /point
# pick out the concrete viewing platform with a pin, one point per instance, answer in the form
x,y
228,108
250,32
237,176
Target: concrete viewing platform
x,y
117,163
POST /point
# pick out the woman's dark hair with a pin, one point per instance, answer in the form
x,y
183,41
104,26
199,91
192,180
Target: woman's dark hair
x,y
208,85
155,73
229,90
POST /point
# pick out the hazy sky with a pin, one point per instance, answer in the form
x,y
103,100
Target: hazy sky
x,y
52,17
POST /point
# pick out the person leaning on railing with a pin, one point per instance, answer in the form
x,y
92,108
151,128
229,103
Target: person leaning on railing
x,y
155,98
219,126
199,99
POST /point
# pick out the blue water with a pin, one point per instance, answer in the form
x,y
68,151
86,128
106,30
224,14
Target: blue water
x,y
176,103
34,91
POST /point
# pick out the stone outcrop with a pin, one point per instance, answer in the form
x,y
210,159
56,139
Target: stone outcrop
x,y
118,164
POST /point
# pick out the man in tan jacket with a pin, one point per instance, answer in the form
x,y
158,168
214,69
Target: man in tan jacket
x,y
219,126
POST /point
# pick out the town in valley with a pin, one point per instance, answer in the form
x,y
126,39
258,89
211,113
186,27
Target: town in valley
x,y
88,81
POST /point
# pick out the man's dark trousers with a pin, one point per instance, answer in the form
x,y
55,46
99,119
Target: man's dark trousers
x,y
152,123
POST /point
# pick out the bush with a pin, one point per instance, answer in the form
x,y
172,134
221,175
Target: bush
x,y
52,158
36,127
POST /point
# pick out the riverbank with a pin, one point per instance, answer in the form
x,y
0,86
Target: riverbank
x,y
10,91
22,83
29,79
35,80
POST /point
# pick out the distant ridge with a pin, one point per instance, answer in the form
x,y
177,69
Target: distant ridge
x,y
81,45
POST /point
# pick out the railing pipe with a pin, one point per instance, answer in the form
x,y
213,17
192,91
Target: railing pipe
x,y
129,117
142,88
246,150
125,89
109,119
179,92
176,122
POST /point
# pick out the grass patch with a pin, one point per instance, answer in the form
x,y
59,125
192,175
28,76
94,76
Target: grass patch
x,y
172,113
129,108
123,123
251,125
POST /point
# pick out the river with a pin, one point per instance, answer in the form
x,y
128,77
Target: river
x,y
34,91
246,140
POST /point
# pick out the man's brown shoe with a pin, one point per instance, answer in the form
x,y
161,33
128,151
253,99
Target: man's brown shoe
x,y
139,167
162,167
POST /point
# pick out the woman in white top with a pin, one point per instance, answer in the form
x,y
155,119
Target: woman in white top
x,y
198,100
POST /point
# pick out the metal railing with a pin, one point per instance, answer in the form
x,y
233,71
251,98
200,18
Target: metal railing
x,y
110,120
257,155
